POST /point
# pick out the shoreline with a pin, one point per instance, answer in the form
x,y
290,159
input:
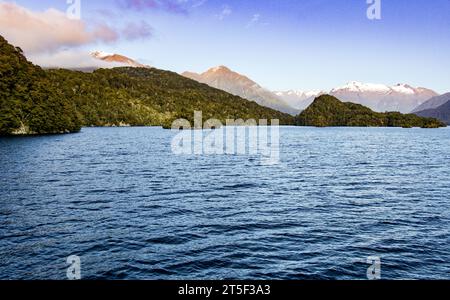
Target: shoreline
x,y
204,129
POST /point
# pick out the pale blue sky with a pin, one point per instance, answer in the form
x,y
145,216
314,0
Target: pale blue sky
x,y
286,44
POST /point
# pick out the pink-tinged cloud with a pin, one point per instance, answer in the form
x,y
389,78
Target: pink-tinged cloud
x,y
48,31
136,31
70,59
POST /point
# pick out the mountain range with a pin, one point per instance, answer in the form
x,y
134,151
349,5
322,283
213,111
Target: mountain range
x,y
382,98
378,97
223,78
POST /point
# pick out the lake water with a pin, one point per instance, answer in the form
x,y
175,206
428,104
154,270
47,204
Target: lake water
x,y
130,209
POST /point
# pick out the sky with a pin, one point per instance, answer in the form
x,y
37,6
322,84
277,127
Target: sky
x,y
280,44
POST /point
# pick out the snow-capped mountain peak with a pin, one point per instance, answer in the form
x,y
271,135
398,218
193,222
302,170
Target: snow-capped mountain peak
x,y
356,86
117,59
404,89
379,97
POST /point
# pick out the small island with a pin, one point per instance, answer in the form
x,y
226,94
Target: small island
x,y
328,111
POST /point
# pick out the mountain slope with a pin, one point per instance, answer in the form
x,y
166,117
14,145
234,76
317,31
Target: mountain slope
x,y
441,113
382,98
434,102
327,111
152,97
234,83
29,102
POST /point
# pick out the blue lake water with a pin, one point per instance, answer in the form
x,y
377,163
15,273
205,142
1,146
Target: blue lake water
x,y
130,209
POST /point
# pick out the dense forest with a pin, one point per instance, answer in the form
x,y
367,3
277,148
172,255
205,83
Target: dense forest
x,y
29,103
328,111
36,101
148,96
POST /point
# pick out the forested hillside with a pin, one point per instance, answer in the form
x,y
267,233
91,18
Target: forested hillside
x,y
143,96
29,103
328,111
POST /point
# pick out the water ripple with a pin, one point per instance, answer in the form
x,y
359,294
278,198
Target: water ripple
x,y
130,209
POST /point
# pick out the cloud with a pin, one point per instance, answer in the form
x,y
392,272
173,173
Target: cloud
x,y
50,30
106,13
198,3
171,6
226,11
140,4
254,20
70,59
136,31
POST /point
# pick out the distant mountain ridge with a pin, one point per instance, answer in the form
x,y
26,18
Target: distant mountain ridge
x,y
299,99
441,113
378,97
234,83
382,98
434,102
